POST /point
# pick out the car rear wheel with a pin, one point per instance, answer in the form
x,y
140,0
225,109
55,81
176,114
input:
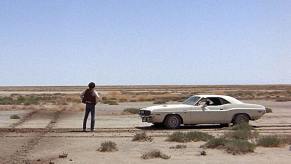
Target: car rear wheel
x,y
172,122
241,119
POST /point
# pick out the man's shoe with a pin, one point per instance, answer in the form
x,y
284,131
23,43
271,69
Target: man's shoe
x,y
84,130
92,130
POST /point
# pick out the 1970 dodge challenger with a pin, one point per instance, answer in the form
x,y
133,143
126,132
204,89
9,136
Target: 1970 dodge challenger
x,y
202,109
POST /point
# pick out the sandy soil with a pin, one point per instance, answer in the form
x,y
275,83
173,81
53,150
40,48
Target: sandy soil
x,y
40,136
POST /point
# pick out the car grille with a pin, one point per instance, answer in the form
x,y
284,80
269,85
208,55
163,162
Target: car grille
x,y
144,112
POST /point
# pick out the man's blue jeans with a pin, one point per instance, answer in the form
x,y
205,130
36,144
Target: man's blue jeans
x,y
90,108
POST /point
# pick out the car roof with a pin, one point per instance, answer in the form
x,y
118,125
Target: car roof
x,y
228,98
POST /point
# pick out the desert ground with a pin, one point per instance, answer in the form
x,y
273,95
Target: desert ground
x,y
50,120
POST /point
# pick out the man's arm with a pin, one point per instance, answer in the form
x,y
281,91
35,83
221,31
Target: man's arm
x,y
97,96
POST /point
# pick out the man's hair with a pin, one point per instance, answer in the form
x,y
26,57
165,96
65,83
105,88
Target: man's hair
x,y
91,85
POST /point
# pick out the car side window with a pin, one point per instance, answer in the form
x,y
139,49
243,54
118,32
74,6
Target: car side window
x,y
201,101
213,101
223,101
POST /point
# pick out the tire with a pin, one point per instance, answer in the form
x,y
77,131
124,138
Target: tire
x,y
241,119
172,122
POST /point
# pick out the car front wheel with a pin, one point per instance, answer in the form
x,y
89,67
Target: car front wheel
x,y
241,119
172,122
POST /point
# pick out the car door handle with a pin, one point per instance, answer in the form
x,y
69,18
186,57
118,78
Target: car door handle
x,y
221,109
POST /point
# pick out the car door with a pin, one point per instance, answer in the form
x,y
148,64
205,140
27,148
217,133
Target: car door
x,y
214,112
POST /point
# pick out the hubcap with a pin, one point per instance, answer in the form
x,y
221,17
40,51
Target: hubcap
x,y
173,122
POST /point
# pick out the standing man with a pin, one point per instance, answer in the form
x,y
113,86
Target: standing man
x,y
89,97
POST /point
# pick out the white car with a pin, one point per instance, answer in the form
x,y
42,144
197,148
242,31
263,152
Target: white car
x,y
202,109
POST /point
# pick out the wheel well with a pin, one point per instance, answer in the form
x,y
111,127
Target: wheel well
x,y
173,115
240,114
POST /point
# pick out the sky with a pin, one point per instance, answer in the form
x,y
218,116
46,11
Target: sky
x,y
145,42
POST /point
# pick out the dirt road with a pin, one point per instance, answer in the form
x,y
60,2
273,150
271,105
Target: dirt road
x,y
40,136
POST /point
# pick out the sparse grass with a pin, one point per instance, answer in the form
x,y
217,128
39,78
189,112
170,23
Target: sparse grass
x,y
131,110
155,154
215,143
14,116
238,146
160,102
189,136
110,102
241,131
273,141
142,137
269,110
283,99
232,146
241,134
6,101
243,126
179,147
108,146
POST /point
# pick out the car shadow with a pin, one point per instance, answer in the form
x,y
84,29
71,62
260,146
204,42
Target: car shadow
x,y
153,127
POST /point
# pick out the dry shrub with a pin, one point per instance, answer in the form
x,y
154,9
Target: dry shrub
x,y
108,146
179,147
14,116
142,137
238,146
110,102
232,146
283,99
242,131
273,141
215,143
189,136
155,154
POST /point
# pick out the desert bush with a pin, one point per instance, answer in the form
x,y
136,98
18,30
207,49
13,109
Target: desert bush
x,y
215,143
155,154
233,146
241,131
142,137
272,141
14,116
110,102
243,126
283,99
179,147
6,101
122,100
238,146
108,146
26,100
241,134
269,110
189,136
131,110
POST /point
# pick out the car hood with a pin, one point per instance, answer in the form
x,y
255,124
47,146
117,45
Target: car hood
x,y
166,107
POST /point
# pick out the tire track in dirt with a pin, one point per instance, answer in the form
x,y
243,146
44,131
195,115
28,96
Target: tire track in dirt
x,y
20,155
12,127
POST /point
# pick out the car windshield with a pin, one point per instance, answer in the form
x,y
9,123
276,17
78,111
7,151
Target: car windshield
x,y
191,100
